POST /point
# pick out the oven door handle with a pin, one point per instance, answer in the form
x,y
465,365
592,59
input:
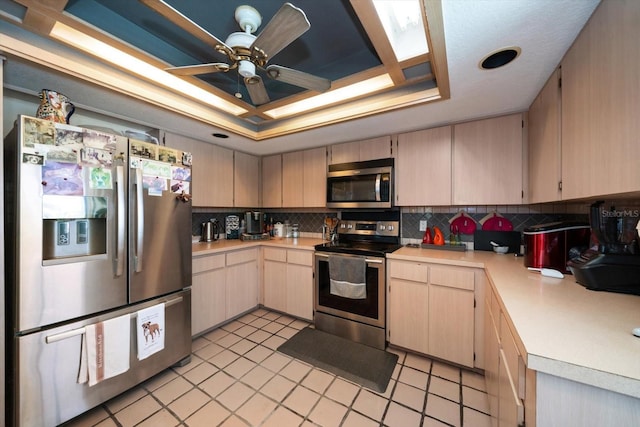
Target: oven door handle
x,y
367,260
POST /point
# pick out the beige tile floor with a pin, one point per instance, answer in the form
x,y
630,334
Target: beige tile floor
x,y
237,378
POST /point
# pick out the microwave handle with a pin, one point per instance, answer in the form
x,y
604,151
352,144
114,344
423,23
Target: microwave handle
x,y
378,179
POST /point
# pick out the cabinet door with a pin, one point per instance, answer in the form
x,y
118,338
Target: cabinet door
x,y
346,152
292,179
315,178
487,161
242,281
423,168
510,407
544,143
208,302
300,291
600,104
408,303
492,362
246,176
272,181
211,172
275,285
375,148
451,324
576,133
221,176
369,149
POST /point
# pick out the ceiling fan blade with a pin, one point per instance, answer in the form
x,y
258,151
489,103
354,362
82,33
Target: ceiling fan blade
x,y
192,70
298,78
183,22
287,24
256,89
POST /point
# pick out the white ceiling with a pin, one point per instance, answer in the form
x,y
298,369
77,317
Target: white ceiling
x,y
543,29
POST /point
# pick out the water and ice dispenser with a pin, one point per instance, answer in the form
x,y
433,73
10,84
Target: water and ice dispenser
x,y
74,226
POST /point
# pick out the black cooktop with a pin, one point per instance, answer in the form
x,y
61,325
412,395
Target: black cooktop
x,y
358,248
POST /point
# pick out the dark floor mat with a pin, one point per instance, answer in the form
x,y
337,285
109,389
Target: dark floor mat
x,y
364,365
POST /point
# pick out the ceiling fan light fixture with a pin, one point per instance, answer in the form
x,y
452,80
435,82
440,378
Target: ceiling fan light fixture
x,y
248,18
246,69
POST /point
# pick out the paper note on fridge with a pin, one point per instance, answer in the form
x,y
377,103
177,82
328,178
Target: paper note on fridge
x,y
150,330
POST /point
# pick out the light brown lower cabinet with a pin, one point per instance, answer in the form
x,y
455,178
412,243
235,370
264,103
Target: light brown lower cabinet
x,y
506,375
208,293
288,281
242,281
431,310
223,286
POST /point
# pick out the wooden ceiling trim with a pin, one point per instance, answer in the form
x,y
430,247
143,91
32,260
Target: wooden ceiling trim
x,y
371,22
432,15
349,111
40,15
143,56
336,84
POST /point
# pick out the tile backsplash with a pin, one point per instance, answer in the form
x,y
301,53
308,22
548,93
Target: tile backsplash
x,y
311,220
521,216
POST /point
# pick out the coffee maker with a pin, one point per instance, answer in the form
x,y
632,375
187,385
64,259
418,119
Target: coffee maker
x,y
613,261
254,222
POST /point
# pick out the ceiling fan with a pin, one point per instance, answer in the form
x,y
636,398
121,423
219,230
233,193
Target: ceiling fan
x,y
247,52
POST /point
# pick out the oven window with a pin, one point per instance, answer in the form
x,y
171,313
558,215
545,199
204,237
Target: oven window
x,y
367,307
352,189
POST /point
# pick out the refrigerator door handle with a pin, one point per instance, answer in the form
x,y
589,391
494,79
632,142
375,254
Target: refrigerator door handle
x,y
137,257
121,221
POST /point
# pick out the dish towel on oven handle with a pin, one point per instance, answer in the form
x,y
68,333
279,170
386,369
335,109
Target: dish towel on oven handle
x,y
150,329
348,276
105,350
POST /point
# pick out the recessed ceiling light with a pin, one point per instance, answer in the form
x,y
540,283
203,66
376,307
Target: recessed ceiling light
x,y
220,135
499,58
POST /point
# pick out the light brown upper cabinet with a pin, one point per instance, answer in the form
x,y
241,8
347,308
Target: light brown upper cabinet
x,y
315,178
212,171
487,161
292,179
368,149
423,168
600,104
272,181
295,180
544,143
246,176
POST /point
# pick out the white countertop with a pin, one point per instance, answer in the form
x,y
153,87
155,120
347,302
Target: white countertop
x,y
564,329
223,245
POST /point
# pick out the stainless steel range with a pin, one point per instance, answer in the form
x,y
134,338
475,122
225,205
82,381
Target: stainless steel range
x,y
350,281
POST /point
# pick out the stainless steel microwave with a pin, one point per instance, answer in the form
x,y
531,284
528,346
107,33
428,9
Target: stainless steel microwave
x,y
367,184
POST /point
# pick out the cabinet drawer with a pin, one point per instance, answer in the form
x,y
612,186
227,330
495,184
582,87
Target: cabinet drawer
x,y
495,310
300,257
512,356
275,254
241,257
413,271
462,278
206,263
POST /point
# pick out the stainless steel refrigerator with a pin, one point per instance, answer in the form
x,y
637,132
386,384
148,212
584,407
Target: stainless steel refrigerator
x,y
97,226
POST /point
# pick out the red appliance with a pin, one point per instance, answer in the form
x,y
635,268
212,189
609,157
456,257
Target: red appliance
x,y
553,244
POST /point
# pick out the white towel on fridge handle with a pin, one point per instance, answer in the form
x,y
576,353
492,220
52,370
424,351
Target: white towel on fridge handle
x,y
105,350
150,330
